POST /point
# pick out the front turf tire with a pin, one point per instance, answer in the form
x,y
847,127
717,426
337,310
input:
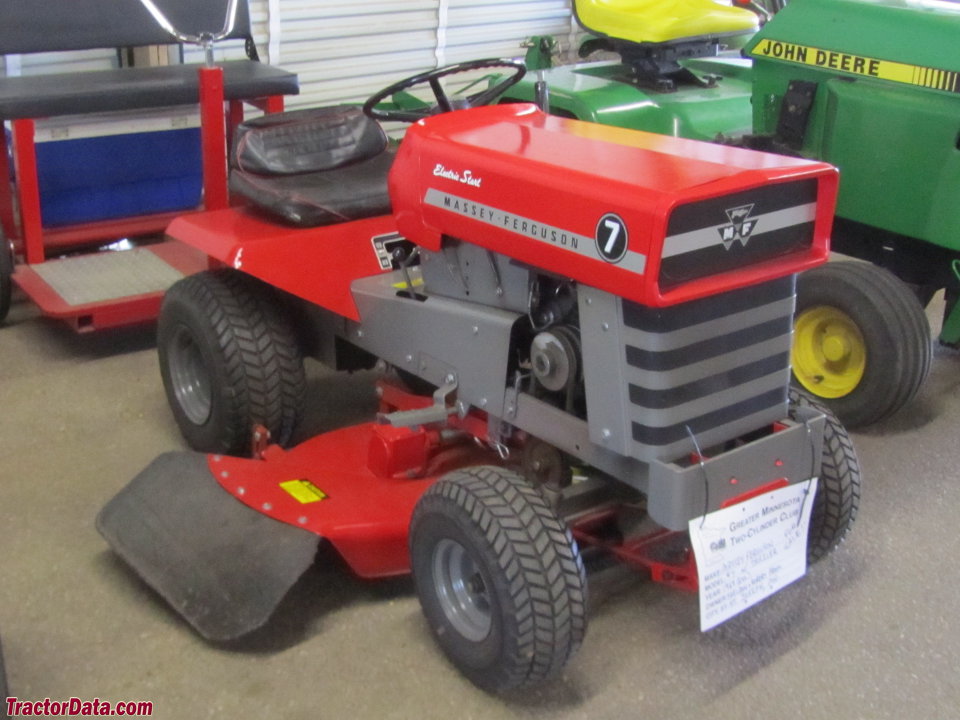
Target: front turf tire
x,y
499,577
230,360
862,343
837,498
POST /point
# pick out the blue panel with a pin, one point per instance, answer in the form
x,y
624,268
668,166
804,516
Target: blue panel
x,y
117,176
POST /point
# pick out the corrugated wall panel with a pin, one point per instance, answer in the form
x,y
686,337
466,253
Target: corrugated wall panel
x,y
345,52
497,28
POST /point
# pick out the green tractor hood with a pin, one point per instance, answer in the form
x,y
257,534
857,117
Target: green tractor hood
x,y
872,87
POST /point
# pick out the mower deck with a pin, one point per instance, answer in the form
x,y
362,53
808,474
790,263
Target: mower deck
x,y
355,486
226,565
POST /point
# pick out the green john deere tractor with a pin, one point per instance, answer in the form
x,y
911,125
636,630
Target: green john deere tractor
x,y
870,86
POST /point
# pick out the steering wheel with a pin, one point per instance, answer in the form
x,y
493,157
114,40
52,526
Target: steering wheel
x,y
444,102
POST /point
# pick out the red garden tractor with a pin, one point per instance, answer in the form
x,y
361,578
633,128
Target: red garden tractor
x,y
584,333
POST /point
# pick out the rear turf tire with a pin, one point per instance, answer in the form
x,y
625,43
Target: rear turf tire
x,y
862,342
230,360
499,577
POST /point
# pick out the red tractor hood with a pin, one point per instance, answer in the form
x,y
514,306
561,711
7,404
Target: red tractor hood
x,y
651,218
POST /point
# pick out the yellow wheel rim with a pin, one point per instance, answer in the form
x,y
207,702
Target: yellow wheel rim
x,y
829,354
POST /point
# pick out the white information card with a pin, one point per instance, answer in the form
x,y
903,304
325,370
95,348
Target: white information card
x,y
750,550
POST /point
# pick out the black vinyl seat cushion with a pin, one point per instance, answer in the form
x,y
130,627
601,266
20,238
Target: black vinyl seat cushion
x,y
313,167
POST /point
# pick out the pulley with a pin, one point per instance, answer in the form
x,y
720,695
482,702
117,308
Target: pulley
x,y
555,358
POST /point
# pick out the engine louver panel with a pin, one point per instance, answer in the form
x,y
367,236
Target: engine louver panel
x,y
716,367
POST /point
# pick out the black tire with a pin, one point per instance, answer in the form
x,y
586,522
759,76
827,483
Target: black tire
x,y
894,343
230,360
837,498
499,576
6,276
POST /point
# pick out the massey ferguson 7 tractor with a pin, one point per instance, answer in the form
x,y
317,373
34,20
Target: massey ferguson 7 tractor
x,y
584,337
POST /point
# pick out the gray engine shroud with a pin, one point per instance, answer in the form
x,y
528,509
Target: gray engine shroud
x,y
655,379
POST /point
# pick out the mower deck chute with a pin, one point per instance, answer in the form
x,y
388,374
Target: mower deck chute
x,y
223,566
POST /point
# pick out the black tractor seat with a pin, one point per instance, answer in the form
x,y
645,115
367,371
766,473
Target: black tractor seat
x,y
313,167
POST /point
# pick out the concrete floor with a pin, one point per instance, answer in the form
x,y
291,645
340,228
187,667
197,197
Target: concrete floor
x,y
872,632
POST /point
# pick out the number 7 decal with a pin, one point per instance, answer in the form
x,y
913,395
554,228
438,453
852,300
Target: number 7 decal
x,y
614,227
611,238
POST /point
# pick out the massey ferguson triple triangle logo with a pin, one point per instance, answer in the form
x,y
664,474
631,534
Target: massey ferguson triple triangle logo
x,y
740,227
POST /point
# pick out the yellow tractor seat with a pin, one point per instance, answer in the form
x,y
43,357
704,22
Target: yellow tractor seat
x,y
654,37
663,21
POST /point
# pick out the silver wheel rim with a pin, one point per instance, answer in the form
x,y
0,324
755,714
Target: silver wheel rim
x,y
461,590
190,377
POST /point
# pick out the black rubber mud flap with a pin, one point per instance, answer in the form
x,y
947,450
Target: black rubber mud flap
x,y
223,566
